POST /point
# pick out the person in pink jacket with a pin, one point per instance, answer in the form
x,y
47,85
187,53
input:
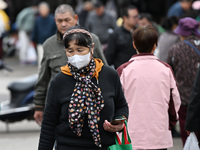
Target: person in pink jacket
x,y
151,92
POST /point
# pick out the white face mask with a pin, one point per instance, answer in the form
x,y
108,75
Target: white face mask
x,y
80,61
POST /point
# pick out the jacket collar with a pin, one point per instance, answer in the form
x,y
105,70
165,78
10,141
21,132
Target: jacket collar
x,y
143,56
59,36
125,30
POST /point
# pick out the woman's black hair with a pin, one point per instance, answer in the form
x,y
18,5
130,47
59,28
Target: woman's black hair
x,y
168,23
81,39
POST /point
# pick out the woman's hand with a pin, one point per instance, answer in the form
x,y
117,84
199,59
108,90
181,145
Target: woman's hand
x,y
112,128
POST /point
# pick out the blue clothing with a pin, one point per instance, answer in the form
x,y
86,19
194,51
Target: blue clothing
x,y
175,10
43,29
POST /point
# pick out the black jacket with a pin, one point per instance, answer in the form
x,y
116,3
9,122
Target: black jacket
x,y
55,124
193,112
120,47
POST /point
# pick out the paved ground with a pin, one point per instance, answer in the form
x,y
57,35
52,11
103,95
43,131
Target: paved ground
x,y
24,135
21,136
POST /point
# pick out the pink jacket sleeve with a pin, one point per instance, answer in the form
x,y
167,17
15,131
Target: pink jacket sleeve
x,y
175,102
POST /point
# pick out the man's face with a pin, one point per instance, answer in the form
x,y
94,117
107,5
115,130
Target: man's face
x,y
133,18
99,11
186,5
144,22
65,21
43,10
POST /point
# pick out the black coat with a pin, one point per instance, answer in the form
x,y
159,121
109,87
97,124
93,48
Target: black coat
x,y
120,47
193,112
55,124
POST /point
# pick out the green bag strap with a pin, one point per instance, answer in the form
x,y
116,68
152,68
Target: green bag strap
x,y
123,138
117,140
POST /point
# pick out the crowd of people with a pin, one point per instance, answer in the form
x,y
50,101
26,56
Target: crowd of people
x,y
99,62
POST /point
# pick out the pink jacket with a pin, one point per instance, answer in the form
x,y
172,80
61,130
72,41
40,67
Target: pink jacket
x,y
153,98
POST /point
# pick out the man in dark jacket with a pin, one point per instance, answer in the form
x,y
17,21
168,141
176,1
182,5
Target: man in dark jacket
x,y
120,44
193,112
101,23
54,56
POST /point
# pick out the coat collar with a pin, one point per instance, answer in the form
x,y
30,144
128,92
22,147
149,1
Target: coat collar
x,y
143,56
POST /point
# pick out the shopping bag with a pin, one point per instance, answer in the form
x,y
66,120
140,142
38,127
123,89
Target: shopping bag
x,y
125,144
191,142
31,54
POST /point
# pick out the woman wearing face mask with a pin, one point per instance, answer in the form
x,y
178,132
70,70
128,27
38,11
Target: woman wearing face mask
x,y
82,100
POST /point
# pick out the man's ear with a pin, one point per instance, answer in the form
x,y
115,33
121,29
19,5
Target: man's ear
x,y
76,18
124,17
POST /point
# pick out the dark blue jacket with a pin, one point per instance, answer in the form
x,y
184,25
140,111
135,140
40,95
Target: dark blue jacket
x,y
43,29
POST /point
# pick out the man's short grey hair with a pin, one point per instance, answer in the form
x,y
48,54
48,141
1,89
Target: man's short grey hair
x,y
63,8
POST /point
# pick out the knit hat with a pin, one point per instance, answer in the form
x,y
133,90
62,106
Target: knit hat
x,y
187,26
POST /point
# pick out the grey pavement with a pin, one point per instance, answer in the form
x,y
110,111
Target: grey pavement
x,y
24,135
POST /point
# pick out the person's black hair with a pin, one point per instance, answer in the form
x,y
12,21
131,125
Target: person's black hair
x,y
186,0
168,23
124,12
98,4
81,39
147,16
191,13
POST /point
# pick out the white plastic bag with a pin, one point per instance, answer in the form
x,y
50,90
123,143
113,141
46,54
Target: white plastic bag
x,y
31,54
191,142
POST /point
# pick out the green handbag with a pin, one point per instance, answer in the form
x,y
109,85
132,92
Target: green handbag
x,y
126,141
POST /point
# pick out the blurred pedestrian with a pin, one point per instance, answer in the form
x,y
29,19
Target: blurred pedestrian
x,y
44,27
4,23
151,93
192,123
184,58
87,8
24,24
54,56
120,47
101,23
179,8
165,41
168,38
82,100
146,19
